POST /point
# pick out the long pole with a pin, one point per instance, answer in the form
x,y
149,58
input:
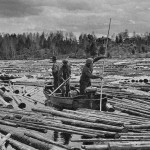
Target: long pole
x,y
103,68
59,86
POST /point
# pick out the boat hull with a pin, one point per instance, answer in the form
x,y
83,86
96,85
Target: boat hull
x,y
72,102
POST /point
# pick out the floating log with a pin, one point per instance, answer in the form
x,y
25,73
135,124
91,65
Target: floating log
x,y
19,102
60,128
7,105
93,125
5,96
63,114
142,126
95,147
4,139
23,112
144,137
8,123
18,134
108,140
99,118
18,145
28,126
31,90
133,112
32,93
119,146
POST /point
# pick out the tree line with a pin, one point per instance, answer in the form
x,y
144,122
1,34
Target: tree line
x,y
45,45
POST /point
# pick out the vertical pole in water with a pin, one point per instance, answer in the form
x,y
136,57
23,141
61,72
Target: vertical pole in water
x,y
100,106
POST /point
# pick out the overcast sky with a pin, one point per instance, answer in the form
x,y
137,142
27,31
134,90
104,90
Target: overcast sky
x,y
78,16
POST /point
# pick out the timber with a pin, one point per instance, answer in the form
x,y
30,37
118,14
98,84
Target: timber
x,y
19,136
5,96
6,104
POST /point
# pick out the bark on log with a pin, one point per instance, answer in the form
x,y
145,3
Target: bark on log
x,y
19,136
8,105
93,125
60,129
6,97
87,122
118,146
19,102
142,126
99,118
63,114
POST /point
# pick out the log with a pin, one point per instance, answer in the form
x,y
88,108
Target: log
x,y
17,145
84,124
8,123
18,134
95,147
99,118
28,126
23,112
19,102
5,96
108,140
58,128
93,125
118,146
7,105
31,90
4,139
63,114
106,133
142,126
131,112
134,134
136,137
113,116
129,146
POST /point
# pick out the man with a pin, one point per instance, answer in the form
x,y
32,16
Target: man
x,y
64,74
55,72
86,76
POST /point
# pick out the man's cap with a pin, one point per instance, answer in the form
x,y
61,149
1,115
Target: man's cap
x,y
65,61
89,61
54,58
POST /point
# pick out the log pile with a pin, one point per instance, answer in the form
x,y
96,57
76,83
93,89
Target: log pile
x,y
126,128
107,130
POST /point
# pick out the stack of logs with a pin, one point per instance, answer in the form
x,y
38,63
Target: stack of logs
x,y
102,130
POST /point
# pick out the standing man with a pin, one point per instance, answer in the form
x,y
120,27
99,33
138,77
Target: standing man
x,y
55,72
64,74
86,76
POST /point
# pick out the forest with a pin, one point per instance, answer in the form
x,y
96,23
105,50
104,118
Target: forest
x,y
45,45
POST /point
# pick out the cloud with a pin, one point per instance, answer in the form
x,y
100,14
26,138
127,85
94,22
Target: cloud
x,y
17,8
74,15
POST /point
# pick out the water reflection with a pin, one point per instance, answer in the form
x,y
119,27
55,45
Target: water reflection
x,y
65,137
55,136
86,143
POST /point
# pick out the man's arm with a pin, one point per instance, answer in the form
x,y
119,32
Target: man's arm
x,y
90,75
98,58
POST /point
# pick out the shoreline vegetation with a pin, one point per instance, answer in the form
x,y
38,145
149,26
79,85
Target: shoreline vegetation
x,y
45,45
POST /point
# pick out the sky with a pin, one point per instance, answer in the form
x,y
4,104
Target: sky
x,y
77,16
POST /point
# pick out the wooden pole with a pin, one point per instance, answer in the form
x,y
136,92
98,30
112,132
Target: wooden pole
x,y
59,86
103,67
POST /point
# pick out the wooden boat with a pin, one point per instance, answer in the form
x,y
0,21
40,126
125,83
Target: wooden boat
x,y
91,100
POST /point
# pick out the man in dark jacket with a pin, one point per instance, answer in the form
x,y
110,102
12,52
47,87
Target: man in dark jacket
x,y
64,74
86,76
55,72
